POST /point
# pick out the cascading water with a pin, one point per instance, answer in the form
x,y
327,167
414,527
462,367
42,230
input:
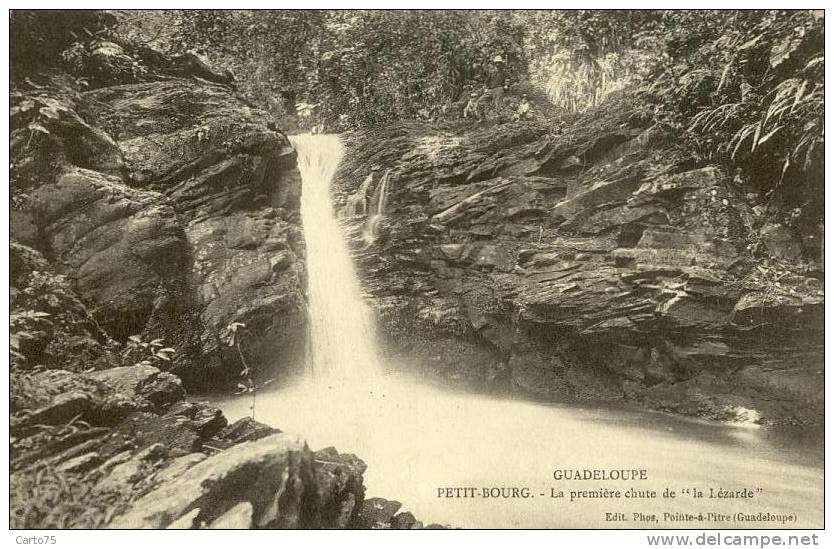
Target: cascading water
x,y
341,331
417,438
377,211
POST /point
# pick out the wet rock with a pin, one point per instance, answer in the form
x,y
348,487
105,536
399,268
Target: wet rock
x,y
178,466
63,408
147,429
168,245
781,242
206,420
126,379
130,244
258,471
186,522
56,397
246,429
192,64
238,517
404,521
80,464
142,382
377,513
161,388
125,471
599,193
339,481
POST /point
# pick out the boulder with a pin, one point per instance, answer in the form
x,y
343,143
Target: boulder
x,y
142,382
124,471
377,513
205,420
146,429
118,244
339,481
246,429
780,242
404,521
260,472
238,517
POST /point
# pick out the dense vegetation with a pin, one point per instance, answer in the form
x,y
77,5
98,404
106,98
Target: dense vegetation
x,y
742,88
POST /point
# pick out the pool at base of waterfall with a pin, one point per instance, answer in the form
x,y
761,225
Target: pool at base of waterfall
x,y
477,461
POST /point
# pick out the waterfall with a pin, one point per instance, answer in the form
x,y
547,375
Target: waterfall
x,y
416,435
377,211
343,343
383,193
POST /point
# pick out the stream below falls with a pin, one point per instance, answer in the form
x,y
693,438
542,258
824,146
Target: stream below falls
x,y
498,454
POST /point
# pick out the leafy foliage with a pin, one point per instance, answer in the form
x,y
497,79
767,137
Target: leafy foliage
x,y
344,68
248,386
25,326
747,88
147,353
37,37
582,56
102,63
743,88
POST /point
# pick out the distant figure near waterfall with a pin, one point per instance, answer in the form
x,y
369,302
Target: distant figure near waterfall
x,y
495,83
471,109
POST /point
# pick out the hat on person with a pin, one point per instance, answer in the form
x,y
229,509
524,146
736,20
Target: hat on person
x,y
498,59
375,168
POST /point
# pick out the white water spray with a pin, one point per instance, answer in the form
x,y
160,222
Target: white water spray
x,y
342,337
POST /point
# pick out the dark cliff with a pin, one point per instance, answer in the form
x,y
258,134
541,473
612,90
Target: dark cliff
x,y
589,260
171,209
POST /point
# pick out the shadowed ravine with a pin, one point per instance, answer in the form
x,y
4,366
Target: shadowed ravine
x,y
417,438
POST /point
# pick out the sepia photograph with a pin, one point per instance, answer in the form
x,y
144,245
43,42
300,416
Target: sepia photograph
x,y
409,269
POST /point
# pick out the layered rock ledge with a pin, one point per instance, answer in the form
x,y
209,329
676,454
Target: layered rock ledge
x,y
592,261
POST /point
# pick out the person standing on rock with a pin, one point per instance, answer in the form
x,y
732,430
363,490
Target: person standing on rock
x,y
471,108
495,82
523,112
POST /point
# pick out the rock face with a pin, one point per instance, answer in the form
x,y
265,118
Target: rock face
x,y
172,211
120,448
273,474
588,264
